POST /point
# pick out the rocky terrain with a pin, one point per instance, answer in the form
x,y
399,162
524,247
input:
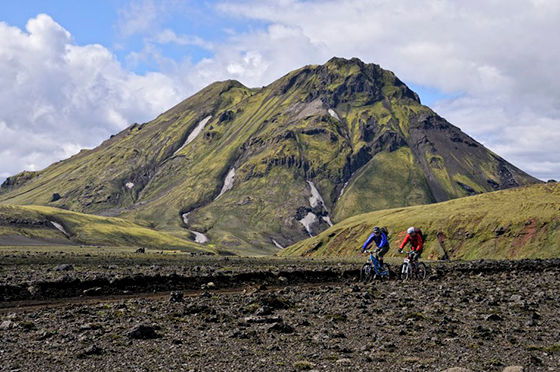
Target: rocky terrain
x,y
279,315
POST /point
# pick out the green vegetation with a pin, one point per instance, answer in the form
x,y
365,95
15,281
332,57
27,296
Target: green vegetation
x,y
35,225
515,223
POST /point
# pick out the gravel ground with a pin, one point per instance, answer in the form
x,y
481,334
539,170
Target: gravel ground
x,y
480,316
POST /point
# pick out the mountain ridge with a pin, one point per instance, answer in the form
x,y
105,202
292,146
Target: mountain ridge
x,y
351,132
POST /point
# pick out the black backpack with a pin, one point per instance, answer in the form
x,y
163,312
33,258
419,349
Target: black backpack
x,y
419,231
384,230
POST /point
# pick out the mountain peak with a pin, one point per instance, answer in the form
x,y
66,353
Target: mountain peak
x,y
344,81
341,61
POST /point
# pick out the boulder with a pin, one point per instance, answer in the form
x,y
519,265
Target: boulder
x,y
142,332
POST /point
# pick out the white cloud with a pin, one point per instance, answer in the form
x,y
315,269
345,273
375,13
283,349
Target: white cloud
x,y
138,17
168,36
58,97
499,58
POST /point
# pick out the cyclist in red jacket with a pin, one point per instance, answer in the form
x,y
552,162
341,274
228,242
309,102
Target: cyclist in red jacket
x,y
415,240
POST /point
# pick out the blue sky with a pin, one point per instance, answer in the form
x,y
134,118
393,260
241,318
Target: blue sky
x,y
74,72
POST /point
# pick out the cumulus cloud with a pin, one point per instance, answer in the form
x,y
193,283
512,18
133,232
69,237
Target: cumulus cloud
x,y
497,59
58,97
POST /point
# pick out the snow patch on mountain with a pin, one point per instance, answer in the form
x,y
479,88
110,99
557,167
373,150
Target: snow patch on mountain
x,y
315,198
307,221
195,132
228,182
59,227
333,114
199,238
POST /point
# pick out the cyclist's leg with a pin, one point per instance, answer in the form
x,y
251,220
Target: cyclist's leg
x,y
381,253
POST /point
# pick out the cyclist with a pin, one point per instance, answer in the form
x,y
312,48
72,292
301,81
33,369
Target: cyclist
x,y
415,239
381,241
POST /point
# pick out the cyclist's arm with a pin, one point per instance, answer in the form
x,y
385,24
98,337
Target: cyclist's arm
x,y
383,241
406,240
368,242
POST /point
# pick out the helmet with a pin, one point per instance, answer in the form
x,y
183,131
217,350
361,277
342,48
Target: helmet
x,y
376,229
410,230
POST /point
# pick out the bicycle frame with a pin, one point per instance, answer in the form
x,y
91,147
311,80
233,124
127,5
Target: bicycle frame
x,y
376,265
412,264
412,267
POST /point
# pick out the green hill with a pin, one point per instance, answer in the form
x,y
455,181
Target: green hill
x,y
38,225
254,169
516,223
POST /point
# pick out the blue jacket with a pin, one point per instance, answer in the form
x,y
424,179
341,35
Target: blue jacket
x,y
380,241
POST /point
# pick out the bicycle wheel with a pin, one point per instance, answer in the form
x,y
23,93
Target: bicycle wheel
x,y
421,271
405,271
366,273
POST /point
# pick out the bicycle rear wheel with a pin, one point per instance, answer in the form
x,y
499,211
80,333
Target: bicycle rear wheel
x,y
422,271
366,273
405,271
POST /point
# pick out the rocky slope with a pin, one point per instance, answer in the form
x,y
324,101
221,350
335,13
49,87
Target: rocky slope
x,y
252,170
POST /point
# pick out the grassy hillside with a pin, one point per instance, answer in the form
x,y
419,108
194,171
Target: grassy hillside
x,y
516,223
22,225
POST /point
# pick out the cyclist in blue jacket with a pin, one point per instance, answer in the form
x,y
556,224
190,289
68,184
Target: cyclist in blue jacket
x,y
381,241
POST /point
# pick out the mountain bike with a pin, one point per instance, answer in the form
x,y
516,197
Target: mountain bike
x,y
412,268
372,269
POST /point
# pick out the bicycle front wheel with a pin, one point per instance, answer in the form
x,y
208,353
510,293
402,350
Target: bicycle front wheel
x,y
405,271
366,273
422,271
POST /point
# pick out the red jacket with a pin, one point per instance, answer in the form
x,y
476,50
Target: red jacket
x,y
415,241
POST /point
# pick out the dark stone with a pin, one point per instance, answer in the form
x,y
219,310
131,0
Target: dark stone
x,y
494,317
143,332
281,328
140,250
55,197
92,350
467,188
495,185
64,267
500,231
176,296
226,116
264,310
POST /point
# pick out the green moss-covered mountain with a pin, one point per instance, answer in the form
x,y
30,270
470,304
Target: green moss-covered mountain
x,y
255,169
522,222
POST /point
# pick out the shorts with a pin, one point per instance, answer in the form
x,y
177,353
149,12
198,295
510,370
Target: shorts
x,y
381,251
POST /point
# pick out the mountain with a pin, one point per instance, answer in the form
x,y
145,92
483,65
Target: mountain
x,y
516,223
252,170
